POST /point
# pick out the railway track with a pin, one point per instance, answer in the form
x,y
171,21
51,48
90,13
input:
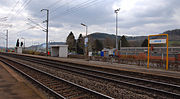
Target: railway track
x,y
58,87
170,90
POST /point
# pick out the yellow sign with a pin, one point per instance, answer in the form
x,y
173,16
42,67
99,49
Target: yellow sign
x,y
158,41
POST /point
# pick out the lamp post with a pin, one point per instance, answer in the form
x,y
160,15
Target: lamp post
x,y
86,28
116,11
86,40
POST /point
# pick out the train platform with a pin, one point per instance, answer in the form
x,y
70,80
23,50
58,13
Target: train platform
x,y
116,66
12,86
124,67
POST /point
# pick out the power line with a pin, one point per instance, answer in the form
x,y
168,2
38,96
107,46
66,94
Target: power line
x,y
69,8
61,6
51,5
82,5
25,29
12,9
36,24
55,3
25,5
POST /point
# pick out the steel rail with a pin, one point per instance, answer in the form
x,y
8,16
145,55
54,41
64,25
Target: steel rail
x,y
49,63
52,91
55,94
45,62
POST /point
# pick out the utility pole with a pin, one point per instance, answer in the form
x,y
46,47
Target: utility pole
x,y
116,11
6,40
47,21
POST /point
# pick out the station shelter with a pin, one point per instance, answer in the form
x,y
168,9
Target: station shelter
x,y
59,50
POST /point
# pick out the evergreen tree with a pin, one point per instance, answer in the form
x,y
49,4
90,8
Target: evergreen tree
x,y
80,45
17,43
124,42
21,44
145,43
98,46
71,42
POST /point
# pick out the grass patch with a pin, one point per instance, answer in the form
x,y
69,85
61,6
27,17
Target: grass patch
x,y
174,43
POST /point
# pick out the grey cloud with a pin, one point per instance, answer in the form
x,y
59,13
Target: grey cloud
x,y
98,16
6,2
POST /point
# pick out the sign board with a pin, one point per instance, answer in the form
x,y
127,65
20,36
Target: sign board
x,y
85,41
157,41
90,53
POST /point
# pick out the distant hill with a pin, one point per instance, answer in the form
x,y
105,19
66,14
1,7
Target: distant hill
x,y
102,36
136,41
174,35
42,47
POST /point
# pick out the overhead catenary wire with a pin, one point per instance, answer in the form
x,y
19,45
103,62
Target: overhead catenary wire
x,y
36,24
74,7
70,10
12,9
87,5
66,4
22,7
62,6
44,15
54,4
77,7
51,7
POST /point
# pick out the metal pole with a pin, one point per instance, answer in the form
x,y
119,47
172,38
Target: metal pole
x,y
167,52
6,40
86,30
88,40
148,53
47,33
86,47
116,29
47,21
116,11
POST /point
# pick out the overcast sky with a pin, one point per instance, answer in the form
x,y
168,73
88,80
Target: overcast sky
x,y
136,17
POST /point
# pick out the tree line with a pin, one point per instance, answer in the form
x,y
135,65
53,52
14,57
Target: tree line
x,y
95,45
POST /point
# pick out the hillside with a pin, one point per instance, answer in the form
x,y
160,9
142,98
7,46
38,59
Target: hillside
x,y
136,41
42,47
102,36
174,35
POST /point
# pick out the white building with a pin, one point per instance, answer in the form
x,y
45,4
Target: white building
x,y
59,50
